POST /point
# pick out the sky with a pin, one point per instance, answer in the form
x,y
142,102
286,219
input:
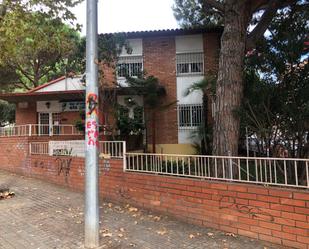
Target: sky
x,y
129,15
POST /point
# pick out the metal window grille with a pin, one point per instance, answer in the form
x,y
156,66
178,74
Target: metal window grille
x,y
189,63
129,66
190,115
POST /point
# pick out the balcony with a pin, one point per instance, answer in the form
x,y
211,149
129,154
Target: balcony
x,y
39,130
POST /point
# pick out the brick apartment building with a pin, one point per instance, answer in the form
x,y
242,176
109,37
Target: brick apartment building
x,y
177,58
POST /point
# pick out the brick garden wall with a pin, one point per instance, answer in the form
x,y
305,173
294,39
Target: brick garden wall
x,y
272,214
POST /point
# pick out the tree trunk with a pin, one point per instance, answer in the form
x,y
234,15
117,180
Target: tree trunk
x,y
153,127
205,144
229,89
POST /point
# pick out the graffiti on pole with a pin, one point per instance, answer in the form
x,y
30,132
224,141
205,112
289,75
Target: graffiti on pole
x,y
92,104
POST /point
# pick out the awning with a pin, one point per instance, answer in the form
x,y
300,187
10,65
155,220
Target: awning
x,y
71,95
43,96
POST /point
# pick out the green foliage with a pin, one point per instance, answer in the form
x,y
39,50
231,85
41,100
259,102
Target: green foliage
x,y
33,46
152,92
7,113
110,47
206,84
276,104
130,125
204,131
149,88
196,13
59,8
80,125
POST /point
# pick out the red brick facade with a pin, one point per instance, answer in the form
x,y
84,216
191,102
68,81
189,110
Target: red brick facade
x,y
27,115
159,57
160,61
277,215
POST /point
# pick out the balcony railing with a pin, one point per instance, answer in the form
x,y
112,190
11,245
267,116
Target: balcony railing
x,y
38,130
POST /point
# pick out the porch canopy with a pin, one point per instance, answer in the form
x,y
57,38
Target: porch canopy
x,y
43,96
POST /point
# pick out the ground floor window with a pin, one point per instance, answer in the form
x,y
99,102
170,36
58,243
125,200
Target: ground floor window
x,y
49,123
189,115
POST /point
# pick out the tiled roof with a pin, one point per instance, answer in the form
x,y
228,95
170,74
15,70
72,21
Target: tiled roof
x,y
167,32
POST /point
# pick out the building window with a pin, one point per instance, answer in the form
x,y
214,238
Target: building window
x,y
190,115
129,66
189,63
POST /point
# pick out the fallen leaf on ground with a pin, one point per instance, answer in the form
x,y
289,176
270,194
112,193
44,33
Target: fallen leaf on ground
x,y
157,218
210,234
121,229
6,194
120,235
162,232
133,209
231,234
107,235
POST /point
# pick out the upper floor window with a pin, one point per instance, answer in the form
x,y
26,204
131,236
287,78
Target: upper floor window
x,y
129,66
189,63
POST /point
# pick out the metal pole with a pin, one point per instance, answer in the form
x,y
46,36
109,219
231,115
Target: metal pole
x,y
92,130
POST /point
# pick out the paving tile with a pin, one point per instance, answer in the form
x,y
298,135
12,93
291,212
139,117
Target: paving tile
x,y
46,216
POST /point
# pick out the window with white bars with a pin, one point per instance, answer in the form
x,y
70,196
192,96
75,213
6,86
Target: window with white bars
x,y
190,63
130,66
189,115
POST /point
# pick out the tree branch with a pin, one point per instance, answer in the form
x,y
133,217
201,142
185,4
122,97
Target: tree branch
x,y
22,84
262,26
263,4
24,73
215,4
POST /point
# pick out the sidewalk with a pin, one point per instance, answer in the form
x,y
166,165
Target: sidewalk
x,y
45,216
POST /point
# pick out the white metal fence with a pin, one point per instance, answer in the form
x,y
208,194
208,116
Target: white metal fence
x,y
115,149
267,171
39,130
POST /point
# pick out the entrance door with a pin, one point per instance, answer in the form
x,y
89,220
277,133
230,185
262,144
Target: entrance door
x,y
55,119
49,123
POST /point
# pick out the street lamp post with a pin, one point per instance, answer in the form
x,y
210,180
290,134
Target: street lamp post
x,y
92,130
